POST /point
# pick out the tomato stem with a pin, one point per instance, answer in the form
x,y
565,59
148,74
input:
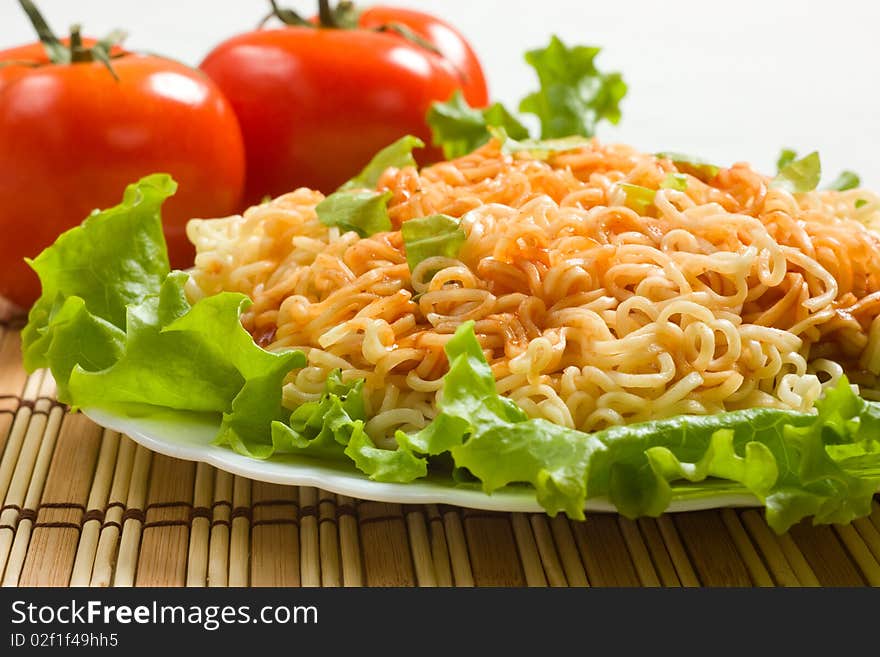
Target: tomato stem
x,y
286,16
56,51
325,14
408,34
75,52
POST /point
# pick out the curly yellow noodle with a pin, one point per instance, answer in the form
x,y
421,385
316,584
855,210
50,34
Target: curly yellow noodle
x,y
730,294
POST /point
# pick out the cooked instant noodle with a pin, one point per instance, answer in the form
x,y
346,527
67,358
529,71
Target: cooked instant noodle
x,y
592,310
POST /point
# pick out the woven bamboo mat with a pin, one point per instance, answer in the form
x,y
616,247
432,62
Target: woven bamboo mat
x,y
85,506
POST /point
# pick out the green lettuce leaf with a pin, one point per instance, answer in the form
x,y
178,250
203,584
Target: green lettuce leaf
x,y
324,427
845,180
696,166
87,262
426,237
333,428
398,155
803,175
786,157
116,329
637,197
492,437
459,129
799,176
363,211
540,149
574,96
676,181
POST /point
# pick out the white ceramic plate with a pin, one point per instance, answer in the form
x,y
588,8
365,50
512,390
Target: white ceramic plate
x,y
189,437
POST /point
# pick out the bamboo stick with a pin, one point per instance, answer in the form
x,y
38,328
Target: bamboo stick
x,y
310,556
771,549
129,543
239,543
439,547
88,539
108,541
458,550
575,574
221,519
530,559
677,553
420,547
39,474
197,559
860,553
547,550
746,550
349,542
328,539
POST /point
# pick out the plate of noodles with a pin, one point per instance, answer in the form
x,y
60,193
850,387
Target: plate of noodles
x,y
559,325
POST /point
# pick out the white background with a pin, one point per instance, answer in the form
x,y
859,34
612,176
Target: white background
x,y
728,80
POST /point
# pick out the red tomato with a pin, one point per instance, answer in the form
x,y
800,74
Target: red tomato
x,y
315,104
72,137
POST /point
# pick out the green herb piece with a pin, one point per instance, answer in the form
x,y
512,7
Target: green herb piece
x,y
786,157
459,129
637,197
799,176
676,181
426,237
693,165
398,155
364,211
574,95
846,180
540,149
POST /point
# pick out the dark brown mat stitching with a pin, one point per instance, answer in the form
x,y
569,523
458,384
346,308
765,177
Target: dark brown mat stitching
x,y
166,505
367,521
166,523
200,512
276,521
133,514
31,403
94,514
58,525
275,503
62,505
241,512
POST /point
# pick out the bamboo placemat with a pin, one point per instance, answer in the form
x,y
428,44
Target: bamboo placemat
x,y
85,506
